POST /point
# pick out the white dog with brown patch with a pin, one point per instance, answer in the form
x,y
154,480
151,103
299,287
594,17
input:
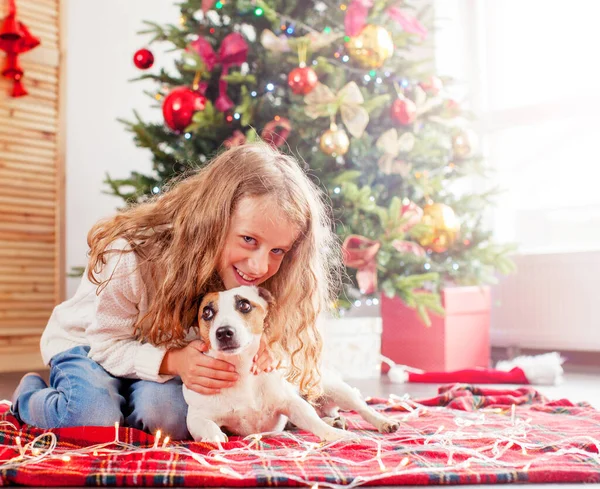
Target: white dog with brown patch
x,y
232,323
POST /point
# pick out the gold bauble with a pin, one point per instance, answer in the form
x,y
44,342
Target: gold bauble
x,y
443,227
334,142
464,143
371,47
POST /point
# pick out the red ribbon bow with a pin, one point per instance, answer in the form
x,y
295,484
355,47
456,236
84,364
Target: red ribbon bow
x,y
15,39
232,52
360,252
358,11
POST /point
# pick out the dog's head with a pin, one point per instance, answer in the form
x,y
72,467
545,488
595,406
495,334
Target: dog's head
x,y
232,320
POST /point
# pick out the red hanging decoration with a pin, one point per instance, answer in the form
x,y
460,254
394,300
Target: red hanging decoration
x,y
404,111
15,39
302,80
143,59
276,131
179,107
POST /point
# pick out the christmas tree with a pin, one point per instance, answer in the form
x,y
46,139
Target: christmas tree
x,y
335,84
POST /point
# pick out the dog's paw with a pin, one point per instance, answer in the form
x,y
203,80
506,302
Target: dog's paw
x,y
388,426
220,438
337,434
337,422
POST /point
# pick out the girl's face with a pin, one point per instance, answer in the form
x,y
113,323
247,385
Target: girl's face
x,y
259,237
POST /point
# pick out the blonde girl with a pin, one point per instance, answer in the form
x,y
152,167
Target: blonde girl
x,y
121,347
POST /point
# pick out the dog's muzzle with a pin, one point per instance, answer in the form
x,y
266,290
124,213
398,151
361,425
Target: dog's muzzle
x,y
226,338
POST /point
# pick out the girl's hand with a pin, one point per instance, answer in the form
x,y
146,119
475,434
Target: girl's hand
x,y
264,360
199,372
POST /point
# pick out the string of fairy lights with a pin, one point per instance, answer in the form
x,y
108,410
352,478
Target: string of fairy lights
x,y
430,448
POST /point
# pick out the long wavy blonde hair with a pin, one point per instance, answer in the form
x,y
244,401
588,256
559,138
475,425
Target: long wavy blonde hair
x,y
181,233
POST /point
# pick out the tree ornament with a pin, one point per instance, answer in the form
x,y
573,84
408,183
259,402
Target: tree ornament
x,y
15,39
391,145
322,102
334,141
143,59
371,47
443,227
302,80
404,110
179,107
411,215
432,86
464,143
276,131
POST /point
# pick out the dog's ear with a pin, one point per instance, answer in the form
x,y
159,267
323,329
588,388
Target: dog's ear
x,y
266,296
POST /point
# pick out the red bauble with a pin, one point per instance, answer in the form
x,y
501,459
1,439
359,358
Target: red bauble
x,y
404,111
433,85
302,80
143,59
179,107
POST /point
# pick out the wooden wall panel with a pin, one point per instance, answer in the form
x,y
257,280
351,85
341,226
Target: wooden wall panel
x,y
32,132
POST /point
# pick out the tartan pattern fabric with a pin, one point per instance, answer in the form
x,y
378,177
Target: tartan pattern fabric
x,y
464,435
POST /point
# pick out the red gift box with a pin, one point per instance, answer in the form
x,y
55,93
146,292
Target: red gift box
x,y
457,341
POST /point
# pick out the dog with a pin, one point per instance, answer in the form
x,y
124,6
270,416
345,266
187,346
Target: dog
x,y
232,323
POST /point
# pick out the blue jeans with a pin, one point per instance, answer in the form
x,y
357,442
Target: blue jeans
x,y
82,393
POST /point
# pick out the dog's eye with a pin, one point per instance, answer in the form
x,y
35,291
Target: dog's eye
x,y
207,314
244,306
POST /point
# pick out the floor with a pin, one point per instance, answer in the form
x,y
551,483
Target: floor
x,y
580,384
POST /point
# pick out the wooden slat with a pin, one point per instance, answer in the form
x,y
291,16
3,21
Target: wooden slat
x,y
38,270
16,314
35,181
17,201
26,288
27,229
14,148
43,55
27,167
27,123
26,104
23,158
26,297
26,305
39,7
45,280
33,135
29,219
31,194
25,246
17,113
37,67
20,235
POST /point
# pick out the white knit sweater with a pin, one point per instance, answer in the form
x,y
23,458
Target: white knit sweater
x,y
104,321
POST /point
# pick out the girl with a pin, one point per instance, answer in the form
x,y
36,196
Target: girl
x,y
116,349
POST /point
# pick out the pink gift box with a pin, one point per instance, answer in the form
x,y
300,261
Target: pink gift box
x,y
459,340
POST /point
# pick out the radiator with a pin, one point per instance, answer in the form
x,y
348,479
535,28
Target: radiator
x,y
551,303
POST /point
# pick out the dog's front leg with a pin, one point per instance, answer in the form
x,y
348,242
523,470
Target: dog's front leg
x,y
304,416
204,429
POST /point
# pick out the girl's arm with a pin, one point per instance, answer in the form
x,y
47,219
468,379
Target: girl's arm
x,y
110,335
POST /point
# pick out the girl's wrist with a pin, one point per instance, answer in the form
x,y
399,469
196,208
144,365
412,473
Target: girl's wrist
x,y
169,363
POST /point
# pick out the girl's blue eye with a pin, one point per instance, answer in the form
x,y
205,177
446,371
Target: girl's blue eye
x,y
278,251
248,239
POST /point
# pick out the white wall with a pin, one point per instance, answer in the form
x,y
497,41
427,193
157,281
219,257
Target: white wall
x,y
101,41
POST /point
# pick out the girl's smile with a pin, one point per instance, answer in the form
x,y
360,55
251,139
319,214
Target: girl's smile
x,y
259,237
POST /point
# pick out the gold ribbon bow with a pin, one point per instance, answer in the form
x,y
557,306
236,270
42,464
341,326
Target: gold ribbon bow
x,y
322,102
391,145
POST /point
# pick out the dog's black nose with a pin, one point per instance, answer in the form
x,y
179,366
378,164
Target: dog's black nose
x,y
225,333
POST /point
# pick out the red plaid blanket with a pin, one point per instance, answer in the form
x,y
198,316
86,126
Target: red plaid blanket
x,y
464,435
